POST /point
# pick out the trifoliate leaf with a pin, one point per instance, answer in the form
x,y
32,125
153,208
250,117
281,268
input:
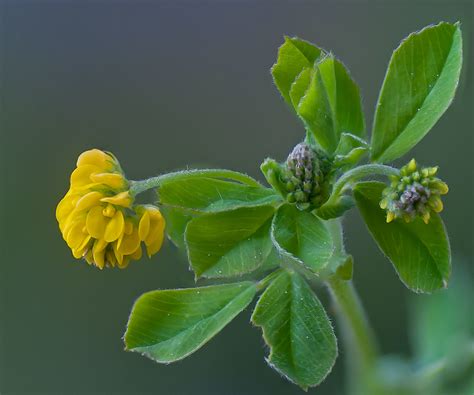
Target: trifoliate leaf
x,y
295,326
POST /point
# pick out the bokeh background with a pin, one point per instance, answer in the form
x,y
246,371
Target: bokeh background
x,y
164,85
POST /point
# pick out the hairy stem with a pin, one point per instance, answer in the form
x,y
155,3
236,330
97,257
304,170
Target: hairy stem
x,y
356,174
361,172
361,347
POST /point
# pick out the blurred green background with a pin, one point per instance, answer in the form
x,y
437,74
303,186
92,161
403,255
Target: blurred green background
x,y
164,85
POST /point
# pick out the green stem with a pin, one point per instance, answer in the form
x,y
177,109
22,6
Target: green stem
x,y
361,172
361,347
358,333
358,173
137,187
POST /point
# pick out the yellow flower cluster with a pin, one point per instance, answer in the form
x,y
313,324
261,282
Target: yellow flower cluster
x,y
97,217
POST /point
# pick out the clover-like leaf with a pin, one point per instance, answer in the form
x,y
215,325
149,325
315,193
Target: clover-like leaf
x,y
176,221
229,243
331,103
168,325
302,237
295,326
293,56
420,252
349,151
202,193
418,88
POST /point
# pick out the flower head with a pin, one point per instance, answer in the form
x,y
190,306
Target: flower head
x,y
97,218
415,192
305,177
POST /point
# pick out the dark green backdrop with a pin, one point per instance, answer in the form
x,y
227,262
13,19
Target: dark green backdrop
x,y
164,85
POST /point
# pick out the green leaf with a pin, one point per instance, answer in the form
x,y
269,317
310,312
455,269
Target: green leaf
x,y
420,252
168,325
293,56
331,103
344,97
229,243
349,151
176,221
302,237
418,88
335,208
315,111
203,194
209,173
295,326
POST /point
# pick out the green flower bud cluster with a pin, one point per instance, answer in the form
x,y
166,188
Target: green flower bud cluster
x,y
415,192
304,177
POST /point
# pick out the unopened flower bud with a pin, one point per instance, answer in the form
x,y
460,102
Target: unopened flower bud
x,y
413,193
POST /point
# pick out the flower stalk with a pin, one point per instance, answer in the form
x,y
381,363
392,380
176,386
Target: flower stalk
x,y
359,338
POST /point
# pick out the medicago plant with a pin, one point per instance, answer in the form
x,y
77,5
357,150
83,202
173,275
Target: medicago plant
x,y
279,240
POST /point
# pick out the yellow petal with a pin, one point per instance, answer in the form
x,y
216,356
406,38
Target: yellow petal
x,y
129,243
95,157
155,246
88,200
390,217
436,204
128,227
114,228
99,255
96,222
65,206
118,254
82,249
75,236
144,226
113,180
426,217
89,257
121,199
100,244
411,166
77,253
73,218
111,260
81,175
137,254
156,231
124,263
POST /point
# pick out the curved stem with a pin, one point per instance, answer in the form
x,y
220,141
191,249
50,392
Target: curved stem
x,y
356,174
361,172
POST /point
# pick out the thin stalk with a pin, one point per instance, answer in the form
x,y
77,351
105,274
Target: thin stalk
x,y
361,346
356,174
357,331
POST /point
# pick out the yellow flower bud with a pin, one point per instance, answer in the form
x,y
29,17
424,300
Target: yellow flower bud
x,y
94,219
